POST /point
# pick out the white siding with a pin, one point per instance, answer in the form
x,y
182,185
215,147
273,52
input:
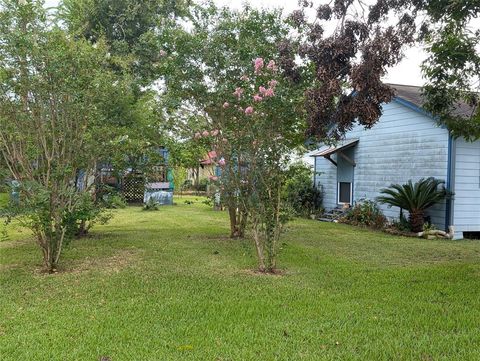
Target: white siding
x,y
403,145
466,205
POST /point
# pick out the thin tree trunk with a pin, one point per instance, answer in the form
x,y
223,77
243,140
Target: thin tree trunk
x,y
258,247
233,221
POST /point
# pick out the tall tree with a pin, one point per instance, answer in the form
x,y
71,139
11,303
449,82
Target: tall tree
x,y
350,61
206,63
347,63
134,31
50,85
135,34
452,69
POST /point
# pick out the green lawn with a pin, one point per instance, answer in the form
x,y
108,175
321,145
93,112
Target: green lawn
x,y
168,285
4,197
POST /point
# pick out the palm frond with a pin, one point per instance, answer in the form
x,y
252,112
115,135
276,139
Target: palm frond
x,y
414,196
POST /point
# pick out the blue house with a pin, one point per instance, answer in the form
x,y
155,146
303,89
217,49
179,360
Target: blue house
x,y
405,144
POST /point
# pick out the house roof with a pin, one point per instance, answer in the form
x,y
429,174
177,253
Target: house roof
x,y
413,95
210,158
344,144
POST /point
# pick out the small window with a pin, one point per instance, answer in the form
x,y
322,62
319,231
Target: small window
x,y
344,193
471,235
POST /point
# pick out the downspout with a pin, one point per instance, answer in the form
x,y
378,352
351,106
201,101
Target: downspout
x,y
315,172
450,184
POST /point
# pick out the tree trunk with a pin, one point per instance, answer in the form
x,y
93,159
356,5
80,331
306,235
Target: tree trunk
x,y
82,229
242,224
259,248
238,220
233,221
416,220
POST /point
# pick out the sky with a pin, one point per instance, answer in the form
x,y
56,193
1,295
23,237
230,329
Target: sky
x,y
406,72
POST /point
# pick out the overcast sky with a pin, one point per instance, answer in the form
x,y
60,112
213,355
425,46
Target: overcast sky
x,y
407,72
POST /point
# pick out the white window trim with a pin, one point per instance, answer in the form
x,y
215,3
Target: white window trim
x,y
351,193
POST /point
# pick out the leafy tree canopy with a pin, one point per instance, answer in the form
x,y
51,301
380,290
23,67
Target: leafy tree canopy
x,y
133,30
349,62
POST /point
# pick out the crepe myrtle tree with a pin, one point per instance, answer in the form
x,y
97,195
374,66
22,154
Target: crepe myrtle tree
x,y
259,124
49,88
205,64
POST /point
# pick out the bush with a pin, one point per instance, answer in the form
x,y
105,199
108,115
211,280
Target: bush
x,y
299,192
365,213
416,198
84,216
202,185
114,201
402,224
151,205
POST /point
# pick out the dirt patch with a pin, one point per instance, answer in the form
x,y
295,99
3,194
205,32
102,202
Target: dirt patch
x,y
397,232
256,272
7,267
15,243
215,238
114,264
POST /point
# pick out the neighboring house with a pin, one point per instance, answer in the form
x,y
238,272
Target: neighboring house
x,y
206,169
405,144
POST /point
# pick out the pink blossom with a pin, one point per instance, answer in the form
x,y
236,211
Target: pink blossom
x,y
244,78
214,132
213,178
272,66
226,105
262,90
238,92
259,64
249,111
197,135
269,92
272,83
257,98
205,133
221,162
162,53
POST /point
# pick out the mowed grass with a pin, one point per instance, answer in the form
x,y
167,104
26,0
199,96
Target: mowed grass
x,y
169,285
4,198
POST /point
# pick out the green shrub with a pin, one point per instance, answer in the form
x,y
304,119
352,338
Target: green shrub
x,y
299,193
365,213
416,198
202,185
151,205
402,224
114,201
85,214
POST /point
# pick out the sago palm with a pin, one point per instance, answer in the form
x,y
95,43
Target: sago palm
x,y
415,198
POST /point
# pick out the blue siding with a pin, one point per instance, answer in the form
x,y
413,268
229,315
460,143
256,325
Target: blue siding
x,y
466,202
327,181
403,145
